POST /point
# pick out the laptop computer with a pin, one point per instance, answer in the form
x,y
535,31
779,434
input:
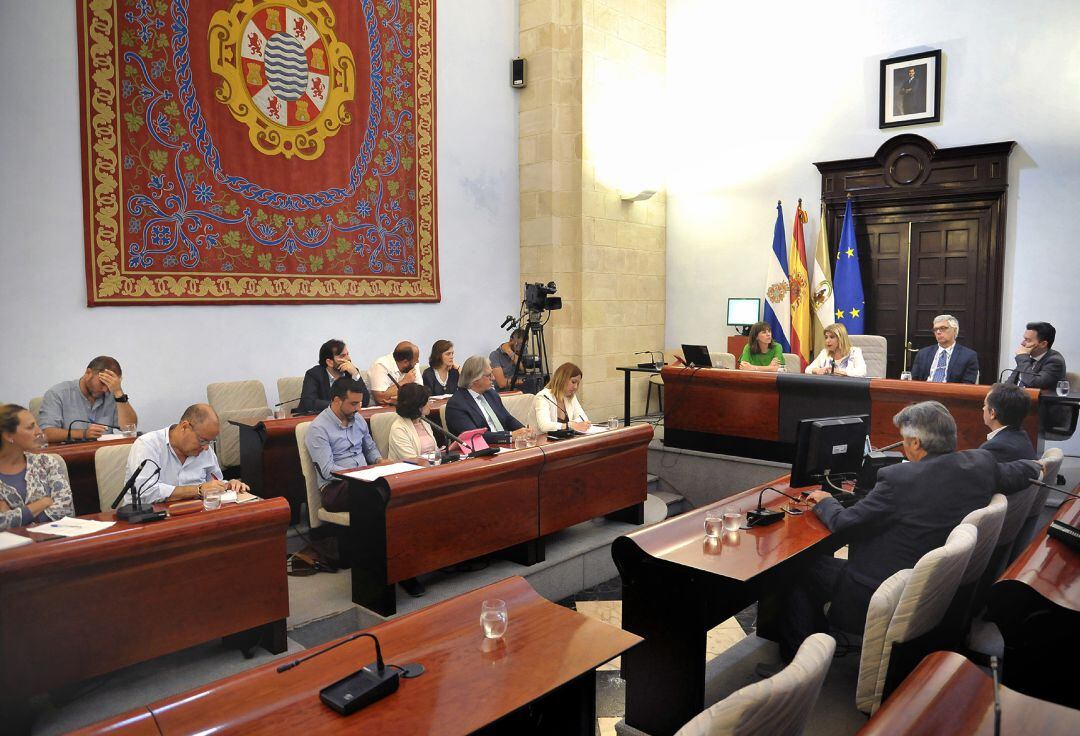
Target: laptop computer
x,y
697,355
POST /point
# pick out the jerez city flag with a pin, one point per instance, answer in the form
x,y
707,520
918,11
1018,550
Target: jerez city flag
x,y
777,301
850,307
799,283
821,286
260,151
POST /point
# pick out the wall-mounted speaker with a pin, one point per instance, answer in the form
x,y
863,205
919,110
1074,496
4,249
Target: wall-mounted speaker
x,y
517,73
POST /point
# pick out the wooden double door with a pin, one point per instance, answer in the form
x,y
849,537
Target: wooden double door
x,y
922,265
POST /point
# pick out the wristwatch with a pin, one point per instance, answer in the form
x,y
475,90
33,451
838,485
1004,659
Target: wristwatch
x,y
121,399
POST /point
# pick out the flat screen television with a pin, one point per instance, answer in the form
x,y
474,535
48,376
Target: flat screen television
x,y
743,312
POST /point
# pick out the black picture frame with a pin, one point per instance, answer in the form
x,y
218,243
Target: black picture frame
x,y
910,91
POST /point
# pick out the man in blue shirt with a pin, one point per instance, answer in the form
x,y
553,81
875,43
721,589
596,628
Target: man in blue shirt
x,y
94,402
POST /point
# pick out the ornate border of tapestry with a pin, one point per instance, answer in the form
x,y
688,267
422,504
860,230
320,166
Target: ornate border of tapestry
x,y
258,151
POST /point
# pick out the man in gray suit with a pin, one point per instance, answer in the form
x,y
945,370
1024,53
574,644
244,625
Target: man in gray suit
x,y
910,511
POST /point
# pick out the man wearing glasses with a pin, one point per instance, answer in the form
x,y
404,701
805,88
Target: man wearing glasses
x,y
948,361
476,405
183,452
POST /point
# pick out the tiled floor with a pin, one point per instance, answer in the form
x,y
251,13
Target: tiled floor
x,y
604,602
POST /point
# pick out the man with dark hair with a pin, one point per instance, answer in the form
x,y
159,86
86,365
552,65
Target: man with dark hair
x,y
390,371
96,401
910,510
1004,409
1037,366
334,362
504,359
182,458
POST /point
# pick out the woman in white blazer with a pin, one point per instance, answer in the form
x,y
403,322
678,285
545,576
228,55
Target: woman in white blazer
x,y
838,358
557,406
410,436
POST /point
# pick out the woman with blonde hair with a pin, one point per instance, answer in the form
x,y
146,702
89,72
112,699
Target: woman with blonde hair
x,y
838,358
33,486
557,406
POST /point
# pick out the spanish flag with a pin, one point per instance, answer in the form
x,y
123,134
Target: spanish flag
x,y
802,341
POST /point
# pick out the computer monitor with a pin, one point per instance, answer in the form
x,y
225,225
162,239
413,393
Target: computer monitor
x,y
742,312
697,355
828,447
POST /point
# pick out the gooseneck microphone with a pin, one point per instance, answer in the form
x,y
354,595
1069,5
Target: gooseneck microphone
x,y
762,516
997,695
1053,488
88,424
378,652
473,452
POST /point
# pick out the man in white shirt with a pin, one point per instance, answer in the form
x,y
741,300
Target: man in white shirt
x,y
389,371
182,452
948,361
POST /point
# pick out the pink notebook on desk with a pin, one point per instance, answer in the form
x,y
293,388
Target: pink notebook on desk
x,y
473,440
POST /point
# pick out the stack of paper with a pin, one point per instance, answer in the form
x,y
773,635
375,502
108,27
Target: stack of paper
x,y
70,527
11,541
378,471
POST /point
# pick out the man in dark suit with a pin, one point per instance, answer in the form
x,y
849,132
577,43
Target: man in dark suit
x,y
1037,365
476,405
1004,409
334,362
948,361
910,511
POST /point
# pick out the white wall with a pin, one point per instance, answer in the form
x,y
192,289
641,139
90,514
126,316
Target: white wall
x,y
169,354
762,90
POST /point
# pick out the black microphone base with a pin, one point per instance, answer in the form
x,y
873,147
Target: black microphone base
x,y
485,452
360,689
138,513
763,517
450,457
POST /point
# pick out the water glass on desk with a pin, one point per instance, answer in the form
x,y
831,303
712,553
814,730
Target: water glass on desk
x,y
493,618
905,376
613,423
128,430
714,525
732,519
211,499
1063,388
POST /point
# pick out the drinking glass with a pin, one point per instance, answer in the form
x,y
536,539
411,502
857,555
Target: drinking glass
x,y
211,499
613,423
714,525
1063,388
433,458
531,435
493,618
732,519
905,376
520,443
281,412
128,430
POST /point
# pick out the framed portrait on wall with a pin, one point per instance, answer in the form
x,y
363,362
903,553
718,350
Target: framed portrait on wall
x,y
910,90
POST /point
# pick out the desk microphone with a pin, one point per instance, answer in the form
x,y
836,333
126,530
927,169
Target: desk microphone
x,y
1007,370
1053,488
762,516
997,695
893,446
473,452
136,511
88,423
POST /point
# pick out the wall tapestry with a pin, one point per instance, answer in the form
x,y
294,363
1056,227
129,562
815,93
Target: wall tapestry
x,y
258,151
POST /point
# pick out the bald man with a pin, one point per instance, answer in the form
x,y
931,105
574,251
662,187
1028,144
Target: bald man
x,y
182,452
389,371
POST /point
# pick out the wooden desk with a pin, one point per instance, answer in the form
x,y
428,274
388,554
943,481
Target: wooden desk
x,y
79,459
678,584
947,695
754,414
543,668
80,607
407,524
1036,604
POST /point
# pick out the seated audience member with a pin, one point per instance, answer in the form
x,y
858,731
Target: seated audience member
x,y
504,360
476,405
96,399
557,405
948,361
33,486
339,439
910,510
183,453
441,375
334,362
761,353
410,436
1037,365
839,358
391,371
1004,409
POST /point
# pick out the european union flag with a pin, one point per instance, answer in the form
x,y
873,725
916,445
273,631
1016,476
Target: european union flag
x,y
847,279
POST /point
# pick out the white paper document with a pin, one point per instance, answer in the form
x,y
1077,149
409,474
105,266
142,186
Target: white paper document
x,y
11,541
596,429
378,471
107,437
441,396
71,527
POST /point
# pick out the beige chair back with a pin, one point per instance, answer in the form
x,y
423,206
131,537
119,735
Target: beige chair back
x,y
288,391
792,364
722,360
779,705
875,351
235,400
521,407
380,430
35,405
317,515
987,521
1053,459
908,605
365,376
110,467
